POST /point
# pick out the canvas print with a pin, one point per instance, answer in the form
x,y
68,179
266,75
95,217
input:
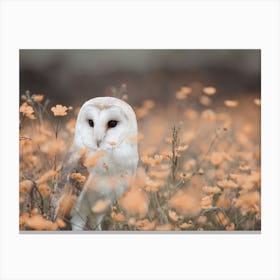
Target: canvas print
x,y
139,140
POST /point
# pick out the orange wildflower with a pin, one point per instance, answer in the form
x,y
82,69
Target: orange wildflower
x,y
182,148
100,206
191,114
135,200
59,110
173,216
27,111
186,90
148,151
208,115
257,102
141,112
205,100
92,160
190,164
34,211
145,224
186,202
209,90
211,190
227,184
234,176
231,103
153,185
182,94
118,217
216,158
25,186
78,177
244,167
186,225
152,161
60,223
44,189
206,202
200,171
37,222
148,104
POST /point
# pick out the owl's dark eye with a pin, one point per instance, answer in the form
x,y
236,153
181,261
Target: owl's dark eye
x,y
91,123
112,123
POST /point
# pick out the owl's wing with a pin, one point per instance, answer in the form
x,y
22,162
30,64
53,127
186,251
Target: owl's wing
x,y
68,189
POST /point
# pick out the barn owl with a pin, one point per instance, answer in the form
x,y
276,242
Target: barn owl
x,y
107,128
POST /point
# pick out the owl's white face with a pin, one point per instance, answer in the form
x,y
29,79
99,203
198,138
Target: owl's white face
x,y
104,123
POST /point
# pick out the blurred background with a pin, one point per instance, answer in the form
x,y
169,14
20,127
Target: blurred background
x,y
72,76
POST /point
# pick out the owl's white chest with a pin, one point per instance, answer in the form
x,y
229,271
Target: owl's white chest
x,y
120,160
113,172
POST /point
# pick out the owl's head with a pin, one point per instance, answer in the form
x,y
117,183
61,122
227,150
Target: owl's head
x,y
104,122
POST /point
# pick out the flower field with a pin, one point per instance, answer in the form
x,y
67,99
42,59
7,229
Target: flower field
x,y
199,164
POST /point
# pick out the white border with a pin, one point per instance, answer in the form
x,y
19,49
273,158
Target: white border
x,y
153,24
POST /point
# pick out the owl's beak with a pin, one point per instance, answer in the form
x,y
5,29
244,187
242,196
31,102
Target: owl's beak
x,y
98,143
